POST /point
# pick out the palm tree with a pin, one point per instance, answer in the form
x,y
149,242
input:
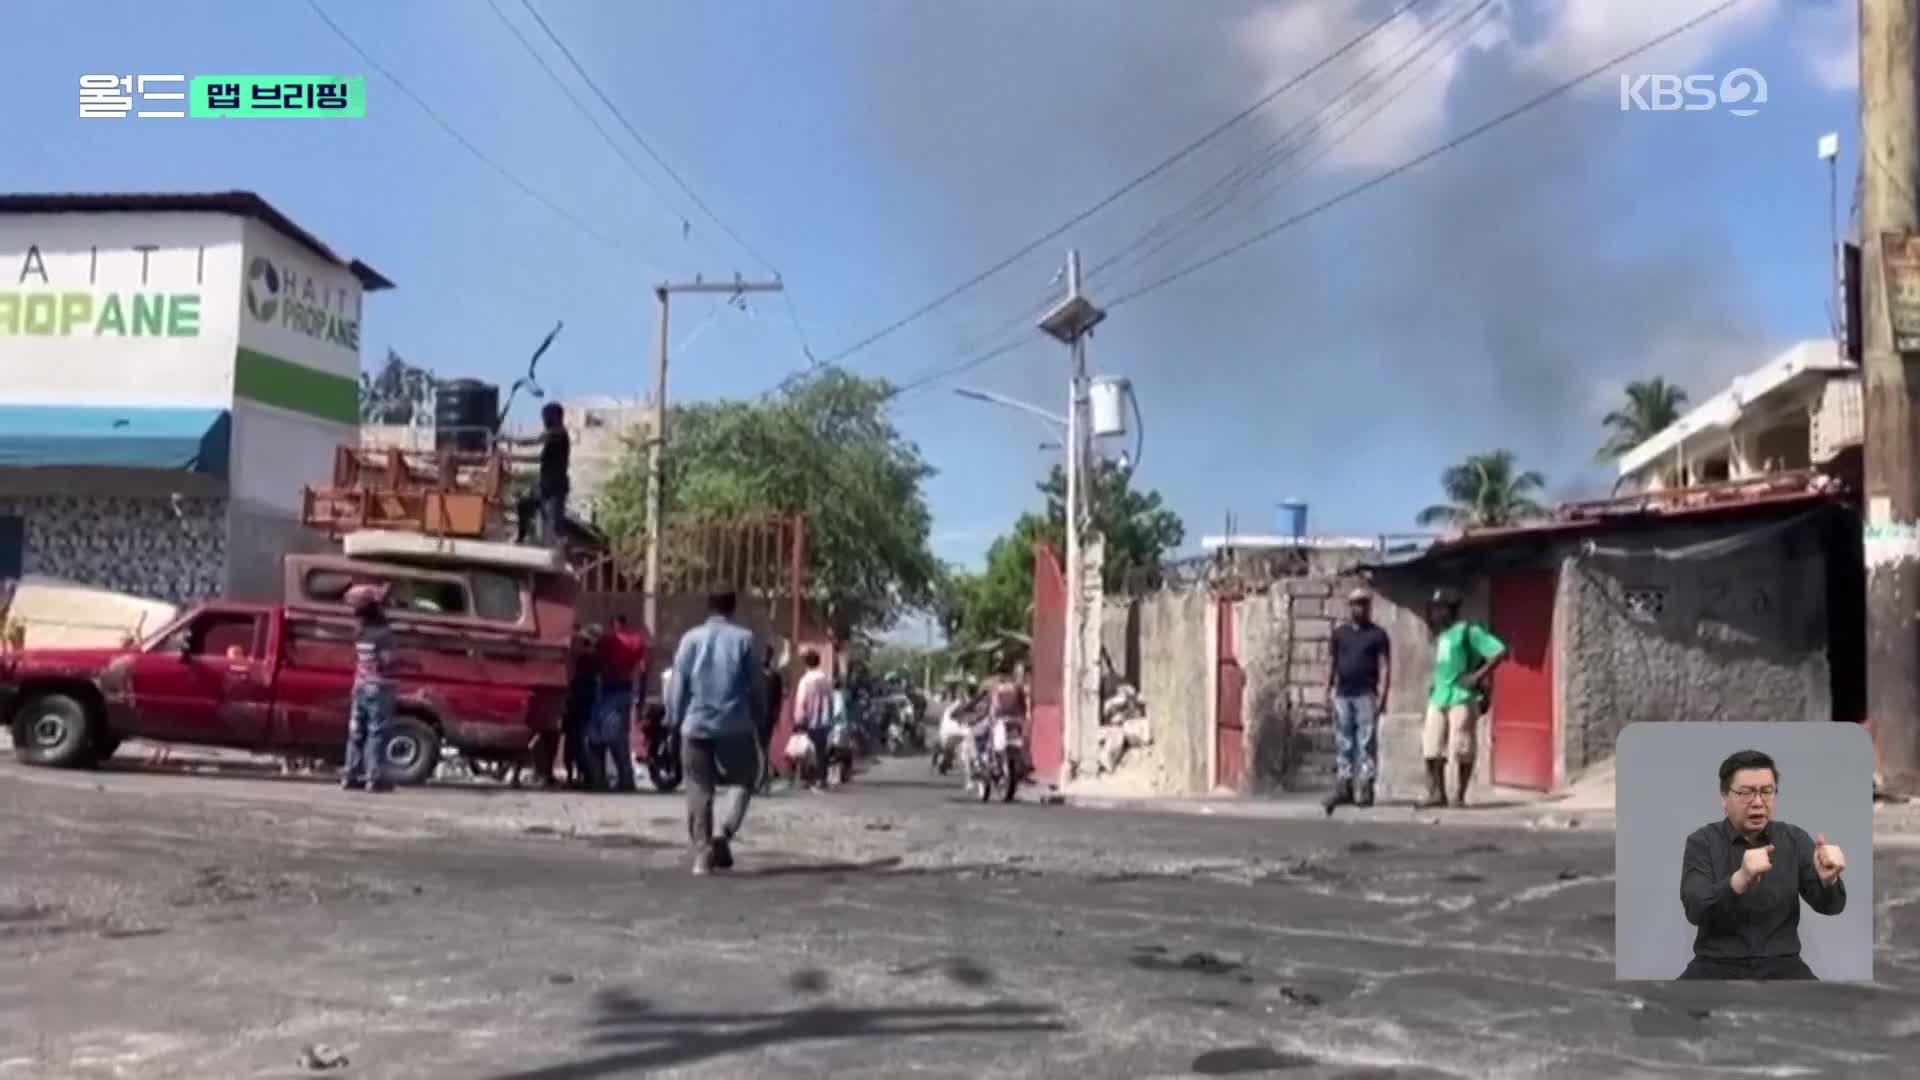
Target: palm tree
x,y
1485,491
1652,406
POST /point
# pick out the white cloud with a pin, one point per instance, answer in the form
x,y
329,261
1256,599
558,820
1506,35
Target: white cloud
x,y
1828,41
1573,36
1373,105
1583,34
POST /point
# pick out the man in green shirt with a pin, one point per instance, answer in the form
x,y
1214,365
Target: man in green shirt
x,y
1464,655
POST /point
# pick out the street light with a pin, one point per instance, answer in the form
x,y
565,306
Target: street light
x,y
1069,322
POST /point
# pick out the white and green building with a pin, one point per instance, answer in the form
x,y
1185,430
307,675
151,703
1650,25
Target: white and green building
x,y
174,370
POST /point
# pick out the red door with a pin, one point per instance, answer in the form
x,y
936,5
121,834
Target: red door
x,y
211,681
1229,719
1524,742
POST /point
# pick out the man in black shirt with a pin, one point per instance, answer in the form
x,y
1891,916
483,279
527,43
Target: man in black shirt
x,y
1357,683
1743,877
548,503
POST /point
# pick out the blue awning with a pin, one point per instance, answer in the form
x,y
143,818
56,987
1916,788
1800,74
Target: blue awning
x,y
39,436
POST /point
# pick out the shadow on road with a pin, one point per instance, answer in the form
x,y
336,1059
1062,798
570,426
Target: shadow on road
x,y
631,1034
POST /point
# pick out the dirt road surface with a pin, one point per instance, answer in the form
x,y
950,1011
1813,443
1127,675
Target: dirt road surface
x,y
206,926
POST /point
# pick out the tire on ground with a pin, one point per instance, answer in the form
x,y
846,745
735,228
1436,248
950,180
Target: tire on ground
x,y
411,752
54,730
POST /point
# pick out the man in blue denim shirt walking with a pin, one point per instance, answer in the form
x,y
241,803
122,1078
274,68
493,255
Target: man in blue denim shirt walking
x,y
716,699
372,701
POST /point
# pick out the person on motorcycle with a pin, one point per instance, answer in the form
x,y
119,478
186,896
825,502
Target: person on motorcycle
x,y
1006,701
954,728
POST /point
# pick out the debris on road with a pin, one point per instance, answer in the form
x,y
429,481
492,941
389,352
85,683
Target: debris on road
x,y
319,1057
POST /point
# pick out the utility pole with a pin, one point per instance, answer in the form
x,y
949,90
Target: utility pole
x,y
1070,322
1890,209
656,471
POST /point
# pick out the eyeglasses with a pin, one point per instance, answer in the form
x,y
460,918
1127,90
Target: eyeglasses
x,y
1749,794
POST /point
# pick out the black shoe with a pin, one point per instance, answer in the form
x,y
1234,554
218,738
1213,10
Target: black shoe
x,y
1365,797
722,854
1341,795
379,786
350,783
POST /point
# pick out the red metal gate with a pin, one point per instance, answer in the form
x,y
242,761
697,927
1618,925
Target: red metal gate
x,y
1229,719
1049,634
762,557
1524,734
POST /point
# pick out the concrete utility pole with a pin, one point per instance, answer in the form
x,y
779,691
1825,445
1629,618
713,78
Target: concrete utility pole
x,y
1890,163
1070,322
656,471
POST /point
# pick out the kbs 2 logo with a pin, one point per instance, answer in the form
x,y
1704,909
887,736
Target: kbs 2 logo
x,y
1741,92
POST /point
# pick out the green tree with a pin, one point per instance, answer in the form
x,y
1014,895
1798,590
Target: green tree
x,y
1486,491
999,600
822,447
1651,407
398,393
1136,526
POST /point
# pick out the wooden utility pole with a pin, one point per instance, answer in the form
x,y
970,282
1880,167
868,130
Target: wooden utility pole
x,y
1890,208
656,471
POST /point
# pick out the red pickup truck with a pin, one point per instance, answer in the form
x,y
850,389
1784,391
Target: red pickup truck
x,y
480,656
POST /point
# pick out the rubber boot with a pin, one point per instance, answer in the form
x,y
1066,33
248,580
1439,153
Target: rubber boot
x,y
1436,784
1465,778
1342,795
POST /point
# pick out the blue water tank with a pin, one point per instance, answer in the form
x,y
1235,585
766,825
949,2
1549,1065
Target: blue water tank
x,y
1292,519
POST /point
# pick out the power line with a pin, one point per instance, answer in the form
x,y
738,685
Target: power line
x,y
1301,138
454,133
1277,152
1358,189
793,317
679,181
1119,193
581,106
1414,163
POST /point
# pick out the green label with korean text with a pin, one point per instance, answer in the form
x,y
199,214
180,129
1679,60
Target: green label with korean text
x,y
340,96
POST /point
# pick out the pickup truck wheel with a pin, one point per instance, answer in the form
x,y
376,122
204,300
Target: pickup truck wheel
x,y
53,729
412,751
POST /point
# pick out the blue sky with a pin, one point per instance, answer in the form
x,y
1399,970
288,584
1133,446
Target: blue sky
x,y
878,153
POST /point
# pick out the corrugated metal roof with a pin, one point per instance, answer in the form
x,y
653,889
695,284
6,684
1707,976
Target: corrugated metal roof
x,y
1770,492
238,203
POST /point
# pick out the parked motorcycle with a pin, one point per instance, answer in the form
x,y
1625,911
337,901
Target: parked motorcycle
x,y
659,749
1001,762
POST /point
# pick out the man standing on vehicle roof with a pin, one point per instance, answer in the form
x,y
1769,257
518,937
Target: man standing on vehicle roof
x,y
623,663
372,700
548,503
715,700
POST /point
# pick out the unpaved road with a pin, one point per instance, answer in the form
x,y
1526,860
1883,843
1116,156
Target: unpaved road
x,y
206,927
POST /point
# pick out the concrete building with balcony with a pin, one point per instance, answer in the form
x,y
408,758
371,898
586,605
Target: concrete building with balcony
x,y
1800,410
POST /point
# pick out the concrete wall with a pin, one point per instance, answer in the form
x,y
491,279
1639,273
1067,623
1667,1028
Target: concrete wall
x,y
1162,644
159,547
1742,636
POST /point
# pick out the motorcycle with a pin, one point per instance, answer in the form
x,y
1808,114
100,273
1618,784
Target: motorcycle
x,y
1001,760
659,749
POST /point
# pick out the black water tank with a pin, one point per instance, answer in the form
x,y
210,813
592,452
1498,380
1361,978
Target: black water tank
x,y
463,414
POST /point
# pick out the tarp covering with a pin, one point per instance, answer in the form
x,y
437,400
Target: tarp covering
x,y
33,436
64,614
